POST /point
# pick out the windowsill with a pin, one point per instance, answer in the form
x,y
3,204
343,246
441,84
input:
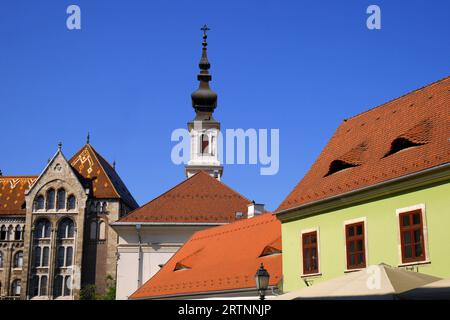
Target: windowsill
x,y
354,270
414,263
17,269
311,275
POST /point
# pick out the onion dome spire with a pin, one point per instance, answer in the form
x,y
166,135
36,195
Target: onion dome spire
x,y
204,99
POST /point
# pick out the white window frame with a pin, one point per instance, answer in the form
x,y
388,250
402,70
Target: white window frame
x,y
319,273
422,209
366,242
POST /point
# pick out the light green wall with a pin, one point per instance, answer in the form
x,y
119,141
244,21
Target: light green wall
x,y
382,235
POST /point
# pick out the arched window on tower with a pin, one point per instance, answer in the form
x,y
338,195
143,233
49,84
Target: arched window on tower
x,y
61,202
71,202
51,199
204,143
39,203
102,230
93,230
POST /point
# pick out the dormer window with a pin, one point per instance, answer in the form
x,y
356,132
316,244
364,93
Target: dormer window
x,y
400,144
339,165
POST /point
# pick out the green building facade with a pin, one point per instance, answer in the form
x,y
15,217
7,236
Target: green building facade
x,y
379,192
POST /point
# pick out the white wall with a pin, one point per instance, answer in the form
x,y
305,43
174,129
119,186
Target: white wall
x,y
158,245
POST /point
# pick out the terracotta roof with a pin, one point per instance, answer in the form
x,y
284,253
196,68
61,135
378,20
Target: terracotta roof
x,y
12,193
362,153
220,259
95,172
201,198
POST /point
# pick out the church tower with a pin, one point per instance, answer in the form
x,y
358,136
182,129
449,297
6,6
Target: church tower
x,y
204,129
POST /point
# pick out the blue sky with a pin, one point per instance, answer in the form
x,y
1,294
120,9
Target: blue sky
x,y
127,76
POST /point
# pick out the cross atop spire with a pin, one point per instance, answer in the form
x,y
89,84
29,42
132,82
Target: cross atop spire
x,y
205,29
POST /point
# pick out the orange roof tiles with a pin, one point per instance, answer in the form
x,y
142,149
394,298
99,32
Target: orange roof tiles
x,y
12,193
364,142
98,174
201,198
220,259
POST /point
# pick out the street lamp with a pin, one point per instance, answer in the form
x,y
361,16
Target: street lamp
x,y
262,281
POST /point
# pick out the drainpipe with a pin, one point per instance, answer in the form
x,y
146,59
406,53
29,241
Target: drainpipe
x,y
138,231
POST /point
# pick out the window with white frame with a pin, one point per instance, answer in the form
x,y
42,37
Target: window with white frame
x,y
16,287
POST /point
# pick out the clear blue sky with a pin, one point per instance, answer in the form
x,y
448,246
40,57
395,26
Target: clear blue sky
x,y
127,76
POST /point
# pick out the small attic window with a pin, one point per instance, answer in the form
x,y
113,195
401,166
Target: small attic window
x,y
400,144
180,266
339,165
269,251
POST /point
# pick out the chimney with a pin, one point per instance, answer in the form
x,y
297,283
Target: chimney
x,y
254,209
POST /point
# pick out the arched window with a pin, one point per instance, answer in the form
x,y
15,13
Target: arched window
x,y
93,230
3,233
1,259
102,230
104,206
57,291
43,289
37,256
18,260
71,202
61,203
18,233
69,256
16,287
42,229
39,203
45,256
66,229
10,235
51,199
204,143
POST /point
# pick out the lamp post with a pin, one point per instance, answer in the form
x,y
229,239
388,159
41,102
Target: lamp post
x,y
262,281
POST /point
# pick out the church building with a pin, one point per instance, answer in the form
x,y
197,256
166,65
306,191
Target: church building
x,y
55,238
151,235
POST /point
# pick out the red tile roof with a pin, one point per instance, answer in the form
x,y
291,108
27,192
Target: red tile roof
x,y
220,259
12,194
362,144
201,198
95,172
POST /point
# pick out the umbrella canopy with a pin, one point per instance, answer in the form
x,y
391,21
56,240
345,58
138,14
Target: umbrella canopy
x,y
435,290
375,282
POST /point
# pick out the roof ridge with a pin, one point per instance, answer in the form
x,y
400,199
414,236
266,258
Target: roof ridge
x,y
399,97
233,226
160,196
229,188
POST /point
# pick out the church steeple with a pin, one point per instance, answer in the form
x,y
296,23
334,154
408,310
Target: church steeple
x,y
204,129
204,99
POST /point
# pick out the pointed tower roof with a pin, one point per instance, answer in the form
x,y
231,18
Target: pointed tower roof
x,y
204,99
199,199
96,173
